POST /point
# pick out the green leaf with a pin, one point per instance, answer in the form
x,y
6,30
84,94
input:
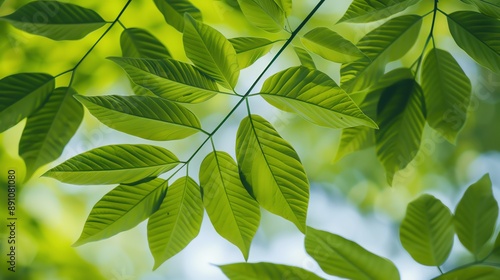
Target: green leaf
x,y
137,42
488,7
249,49
114,164
208,49
473,272
330,45
264,14
476,215
494,255
147,117
401,119
285,6
49,129
21,95
174,10
266,271
305,58
315,96
341,257
477,34
55,20
121,209
447,93
169,79
388,42
233,212
355,139
426,231
272,169
362,11
177,222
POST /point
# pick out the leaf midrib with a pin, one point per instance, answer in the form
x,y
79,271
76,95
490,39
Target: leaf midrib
x,y
473,35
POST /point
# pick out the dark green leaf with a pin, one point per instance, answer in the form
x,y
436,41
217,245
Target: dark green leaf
x,y
362,11
137,42
305,58
249,49
355,139
488,7
265,14
174,10
474,272
266,271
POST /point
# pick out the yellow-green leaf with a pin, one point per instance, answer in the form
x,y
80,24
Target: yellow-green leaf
x,y
264,14
173,11
266,271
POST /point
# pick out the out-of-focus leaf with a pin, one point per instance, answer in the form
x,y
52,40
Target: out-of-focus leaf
x,y
474,272
488,7
137,42
362,11
249,49
265,14
285,5
266,271
355,139
173,11
305,58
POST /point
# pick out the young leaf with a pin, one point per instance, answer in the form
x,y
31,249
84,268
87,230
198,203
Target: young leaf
x,y
177,222
137,42
330,45
355,139
426,231
21,95
208,49
55,20
174,10
386,43
233,212
285,6
477,34
266,271
169,79
315,96
362,11
488,7
401,119
476,215
473,272
341,257
264,14
121,209
305,58
272,169
49,129
447,93
249,49
114,164
147,117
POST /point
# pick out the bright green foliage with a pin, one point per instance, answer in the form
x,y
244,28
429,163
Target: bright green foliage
x,y
488,7
285,5
266,271
474,272
272,169
315,96
355,139
427,230
265,14
114,164
137,42
123,208
49,129
341,257
177,222
21,95
55,20
330,45
174,10
143,116
476,215
305,58
249,49
361,11
233,212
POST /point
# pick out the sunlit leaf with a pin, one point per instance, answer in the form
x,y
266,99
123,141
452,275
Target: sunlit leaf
x,y
210,51
401,119
137,42
315,96
386,43
266,271
477,34
49,129
21,95
362,11
427,230
113,164
476,215
147,117
55,20
473,272
344,258
272,169
305,58
121,209
177,222
285,6
265,14
330,45
488,7
249,49
233,212
355,139
169,79
173,11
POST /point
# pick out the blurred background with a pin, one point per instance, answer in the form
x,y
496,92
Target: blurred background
x,y
349,197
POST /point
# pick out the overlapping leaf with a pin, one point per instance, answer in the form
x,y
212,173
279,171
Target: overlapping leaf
x,y
355,139
361,11
473,272
266,271
233,212
49,129
173,11
488,7
137,42
265,14
21,95
122,208
114,164
427,230
169,79
249,49
315,96
305,58
177,222
285,5
55,20
147,117
272,170
344,258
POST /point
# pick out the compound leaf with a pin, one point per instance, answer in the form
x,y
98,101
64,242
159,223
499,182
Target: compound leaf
x,y
266,271
362,11
249,49
269,15
173,11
